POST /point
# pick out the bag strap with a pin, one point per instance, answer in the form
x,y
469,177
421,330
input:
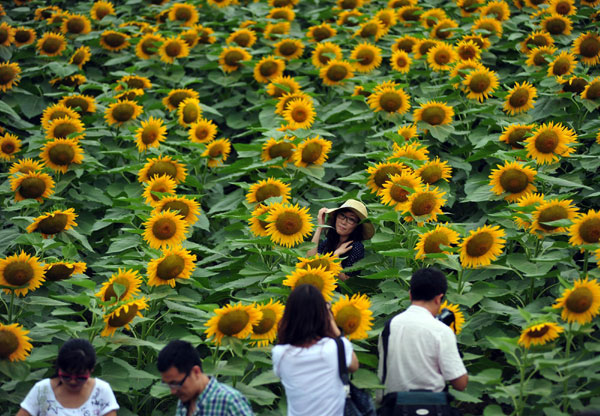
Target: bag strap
x,y
385,338
342,368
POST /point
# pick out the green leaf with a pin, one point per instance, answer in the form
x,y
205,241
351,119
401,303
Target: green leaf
x,y
261,396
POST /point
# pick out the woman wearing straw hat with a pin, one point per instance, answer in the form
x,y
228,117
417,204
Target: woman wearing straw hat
x,y
348,228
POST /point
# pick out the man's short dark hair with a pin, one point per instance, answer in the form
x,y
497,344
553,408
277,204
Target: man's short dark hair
x,y
179,354
427,283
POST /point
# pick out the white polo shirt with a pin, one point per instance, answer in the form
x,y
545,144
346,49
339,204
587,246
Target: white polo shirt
x,y
422,353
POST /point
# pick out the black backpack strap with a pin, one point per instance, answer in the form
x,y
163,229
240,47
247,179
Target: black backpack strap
x,y
342,368
385,339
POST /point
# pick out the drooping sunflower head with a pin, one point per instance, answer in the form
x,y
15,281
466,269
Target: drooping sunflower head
x,y
60,270
396,190
515,134
165,229
549,141
353,316
163,184
539,334
10,145
318,277
21,273
434,113
122,316
585,229
51,44
587,45
231,58
202,131
188,208
424,205
389,99
32,185
183,13
482,246
434,170
243,38
80,103
553,210
189,111
162,165
592,90
101,9
288,225
321,32
268,68
513,179
557,24
268,188
265,331
580,303
312,151
381,173
217,152
574,84
366,56
175,263
122,285
233,320
14,343
480,83
173,48
328,261
148,45
9,75
436,241
52,223
151,133
114,41
459,317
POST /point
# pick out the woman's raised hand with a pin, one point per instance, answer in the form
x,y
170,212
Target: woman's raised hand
x,y
321,216
343,248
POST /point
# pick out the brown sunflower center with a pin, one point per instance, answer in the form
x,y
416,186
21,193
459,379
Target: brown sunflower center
x,y
268,68
75,102
467,52
323,58
110,290
398,193
215,151
18,273
590,47
319,263
479,83
61,154
556,26
267,322
242,39
164,228
480,244
149,134
406,45
337,73
267,191
514,180
470,6
58,272
299,114
183,14
593,91
391,101
538,40
365,57
517,136
539,59
62,130
519,98
150,46
288,48
423,204
369,29
321,33
8,148
8,343
488,27
173,49
431,174
75,25
123,112
114,40
349,4
170,267
383,174
348,318
443,30
283,149
162,168
552,213
102,11
3,35
289,223
538,333
190,113
589,230
441,57
311,152
546,141
575,85
233,322
434,240
180,208
7,74
176,98
561,66
401,62
22,36
433,115
53,224
122,318
32,188
580,300
412,14
232,58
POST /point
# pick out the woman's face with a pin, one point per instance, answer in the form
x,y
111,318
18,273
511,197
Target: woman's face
x,y
74,382
346,222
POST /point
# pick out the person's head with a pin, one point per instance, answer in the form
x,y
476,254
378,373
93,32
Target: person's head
x,y
75,362
306,317
428,284
346,223
181,369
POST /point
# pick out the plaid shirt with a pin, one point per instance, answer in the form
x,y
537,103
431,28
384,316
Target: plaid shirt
x,y
218,400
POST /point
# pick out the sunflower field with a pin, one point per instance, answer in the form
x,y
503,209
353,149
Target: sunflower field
x,y
162,164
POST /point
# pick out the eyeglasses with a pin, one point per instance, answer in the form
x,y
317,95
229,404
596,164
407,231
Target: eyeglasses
x,y
176,385
79,378
350,220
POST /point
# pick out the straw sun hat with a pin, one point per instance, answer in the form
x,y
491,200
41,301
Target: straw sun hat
x,y
361,212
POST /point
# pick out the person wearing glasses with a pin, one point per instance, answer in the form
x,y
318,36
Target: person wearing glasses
x,y
72,390
348,227
199,395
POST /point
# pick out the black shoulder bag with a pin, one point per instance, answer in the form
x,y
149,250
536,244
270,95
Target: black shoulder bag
x,y
358,401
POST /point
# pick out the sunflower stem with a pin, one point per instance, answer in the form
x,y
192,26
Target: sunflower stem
x,y
586,257
11,305
565,401
522,364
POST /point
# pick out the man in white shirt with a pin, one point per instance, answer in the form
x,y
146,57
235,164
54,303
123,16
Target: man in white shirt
x,y
422,351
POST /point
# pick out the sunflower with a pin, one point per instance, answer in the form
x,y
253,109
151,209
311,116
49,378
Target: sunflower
x,y
553,210
9,146
217,152
59,154
487,26
318,277
202,131
424,205
275,30
349,4
321,56
562,65
122,111
51,44
459,317
101,9
328,261
184,14
162,165
434,170
398,187
258,225
587,45
231,58
282,85
288,225
396,4
335,72
187,208
163,184
130,95
189,112
468,7
480,83
353,316
79,103
114,41
499,10
513,179
371,29
528,202
148,45
441,56
299,114
536,39
21,272
562,7
538,56
557,24
585,229
321,32
128,281
444,29
268,68
400,61
122,316
381,173
409,14
430,17
273,149
134,82
482,42
68,81
175,97
14,343
268,188
45,13
151,133
468,50
165,229
53,272
76,24
413,151
515,134
574,84
244,38
349,18
264,331
539,334
387,17
592,90
172,48
175,263
205,35
430,242
23,36
482,246
282,13
367,57
434,113
404,43
7,34
25,166
408,131
81,56
581,303
312,151
32,185
234,320
220,3
520,98
550,141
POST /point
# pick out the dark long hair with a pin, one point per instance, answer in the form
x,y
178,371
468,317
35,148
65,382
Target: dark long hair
x,y
305,317
333,238
76,356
